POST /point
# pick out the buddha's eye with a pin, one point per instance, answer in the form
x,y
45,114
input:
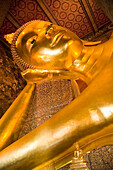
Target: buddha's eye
x,y
49,30
49,27
30,42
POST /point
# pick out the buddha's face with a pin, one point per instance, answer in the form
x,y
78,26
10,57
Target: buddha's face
x,y
48,46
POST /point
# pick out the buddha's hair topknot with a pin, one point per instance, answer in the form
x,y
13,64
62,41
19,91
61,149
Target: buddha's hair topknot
x,y
18,60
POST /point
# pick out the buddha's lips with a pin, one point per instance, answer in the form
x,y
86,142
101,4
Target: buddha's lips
x,y
56,39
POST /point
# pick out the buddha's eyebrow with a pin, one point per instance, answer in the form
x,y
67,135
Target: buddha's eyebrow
x,y
27,36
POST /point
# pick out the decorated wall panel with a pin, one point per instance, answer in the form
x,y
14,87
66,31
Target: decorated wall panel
x,y
100,17
26,10
7,27
70,14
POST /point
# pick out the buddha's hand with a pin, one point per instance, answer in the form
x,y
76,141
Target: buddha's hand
x,y
38,75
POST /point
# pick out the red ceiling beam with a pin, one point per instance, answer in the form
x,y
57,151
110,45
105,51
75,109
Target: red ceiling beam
x,y
47,11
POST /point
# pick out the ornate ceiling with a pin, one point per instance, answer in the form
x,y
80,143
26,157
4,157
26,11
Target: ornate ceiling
x,y
84,17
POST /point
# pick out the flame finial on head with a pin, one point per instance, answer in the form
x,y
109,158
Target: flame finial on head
x,y
9,37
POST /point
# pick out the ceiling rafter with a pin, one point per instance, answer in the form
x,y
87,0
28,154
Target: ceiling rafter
x,y
3,40
83,17
90,14
14,21
47,11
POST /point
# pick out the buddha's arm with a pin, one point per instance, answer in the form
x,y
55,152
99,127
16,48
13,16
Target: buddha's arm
x,y
91,113
12,120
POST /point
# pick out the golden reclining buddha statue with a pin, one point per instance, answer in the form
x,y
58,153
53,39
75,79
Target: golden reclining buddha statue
x,y
46,52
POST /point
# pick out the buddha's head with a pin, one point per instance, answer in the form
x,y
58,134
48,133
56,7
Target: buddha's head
x,y
42,45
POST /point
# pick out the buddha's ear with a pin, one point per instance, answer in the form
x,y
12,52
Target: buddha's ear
x,y
9,37
89,43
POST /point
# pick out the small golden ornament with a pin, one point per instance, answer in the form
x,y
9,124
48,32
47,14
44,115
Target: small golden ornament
x,y
9,37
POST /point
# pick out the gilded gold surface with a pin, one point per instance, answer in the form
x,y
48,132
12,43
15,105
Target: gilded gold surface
x,y
12,121
9,37
56,53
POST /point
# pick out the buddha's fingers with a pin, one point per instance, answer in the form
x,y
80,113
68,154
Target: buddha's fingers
x,y
14,117
38,75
